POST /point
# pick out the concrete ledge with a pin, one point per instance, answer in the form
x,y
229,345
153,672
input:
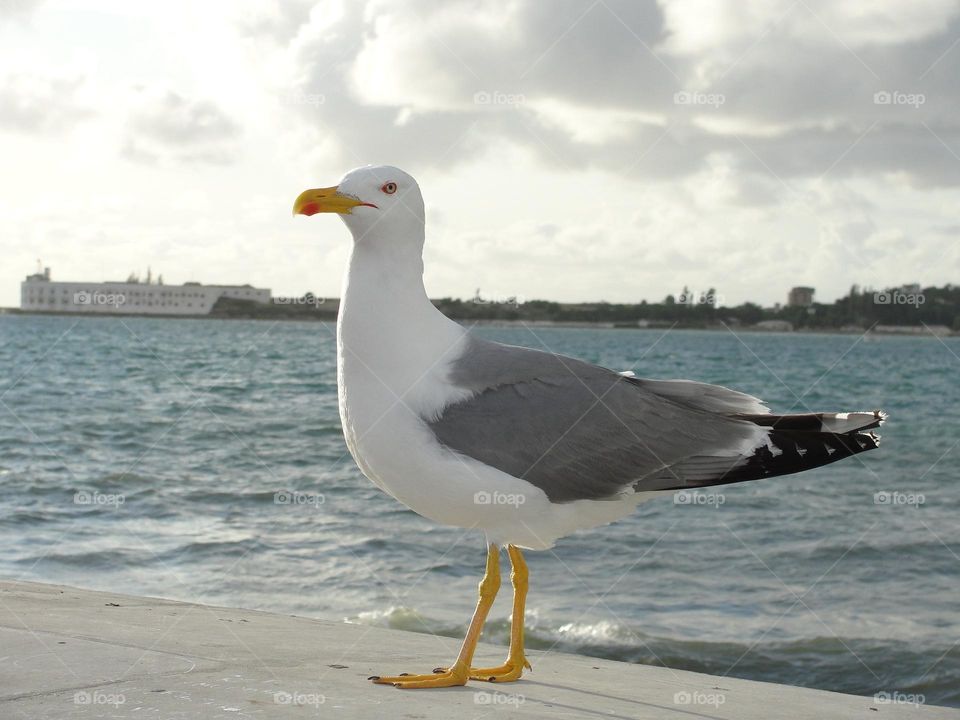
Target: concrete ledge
x,y
69,653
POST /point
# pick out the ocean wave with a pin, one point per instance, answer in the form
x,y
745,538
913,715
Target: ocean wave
x,y
92,560
211,549
852,665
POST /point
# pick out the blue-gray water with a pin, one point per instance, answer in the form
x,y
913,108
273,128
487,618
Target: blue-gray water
x,y
196,425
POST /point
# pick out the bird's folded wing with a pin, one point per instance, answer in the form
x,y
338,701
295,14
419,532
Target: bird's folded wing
x,y
580,431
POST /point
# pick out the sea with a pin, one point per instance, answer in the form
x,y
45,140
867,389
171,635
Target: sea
x,y
203,460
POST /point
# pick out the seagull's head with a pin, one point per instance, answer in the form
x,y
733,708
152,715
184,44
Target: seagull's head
x,y
375,201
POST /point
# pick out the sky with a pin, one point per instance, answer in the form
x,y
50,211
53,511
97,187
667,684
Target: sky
x,y
570,150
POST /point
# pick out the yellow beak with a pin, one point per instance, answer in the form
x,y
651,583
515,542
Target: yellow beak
x,y
311,202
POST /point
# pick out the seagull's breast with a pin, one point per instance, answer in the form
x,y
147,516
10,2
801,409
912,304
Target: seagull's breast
x,y
392,380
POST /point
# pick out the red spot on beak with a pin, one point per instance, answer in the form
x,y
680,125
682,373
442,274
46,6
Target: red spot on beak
x,y
310,209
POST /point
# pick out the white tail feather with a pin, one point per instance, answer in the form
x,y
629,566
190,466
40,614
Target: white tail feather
x,y
850,421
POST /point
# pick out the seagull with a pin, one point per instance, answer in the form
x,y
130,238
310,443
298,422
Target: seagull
x,y
526,445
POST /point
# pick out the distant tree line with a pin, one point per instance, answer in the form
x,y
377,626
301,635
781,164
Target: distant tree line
x,y
860,308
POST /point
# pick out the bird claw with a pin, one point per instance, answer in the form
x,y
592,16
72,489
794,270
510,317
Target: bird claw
x,y
445,678
508,672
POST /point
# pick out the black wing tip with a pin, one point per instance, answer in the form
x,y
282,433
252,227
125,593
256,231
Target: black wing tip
x,y
867,440
790,451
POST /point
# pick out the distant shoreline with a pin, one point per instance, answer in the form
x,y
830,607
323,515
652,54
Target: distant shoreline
x,y
328,316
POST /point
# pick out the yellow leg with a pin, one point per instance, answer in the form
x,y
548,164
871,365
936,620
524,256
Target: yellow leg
x,y
459,672
516,661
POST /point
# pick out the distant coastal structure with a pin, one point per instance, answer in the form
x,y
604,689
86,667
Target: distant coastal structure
x,y
800,297
39,293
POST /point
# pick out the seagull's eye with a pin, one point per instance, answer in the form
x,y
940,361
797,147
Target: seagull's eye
x,y
389,188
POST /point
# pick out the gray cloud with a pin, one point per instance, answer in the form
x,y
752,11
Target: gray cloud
x,y
168,126
34,104
798,100
18,9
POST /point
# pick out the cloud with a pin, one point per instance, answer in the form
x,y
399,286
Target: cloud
x,y
278,20
632,87
35,104
18,9
166,126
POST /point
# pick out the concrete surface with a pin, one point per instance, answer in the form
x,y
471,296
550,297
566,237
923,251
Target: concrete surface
x,y
69,653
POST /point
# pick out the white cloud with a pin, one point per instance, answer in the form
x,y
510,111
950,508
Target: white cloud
x,y
587,125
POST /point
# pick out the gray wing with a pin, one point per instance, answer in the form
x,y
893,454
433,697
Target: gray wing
x,y
580,431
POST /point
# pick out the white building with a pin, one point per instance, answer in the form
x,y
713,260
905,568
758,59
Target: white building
x,y
38,293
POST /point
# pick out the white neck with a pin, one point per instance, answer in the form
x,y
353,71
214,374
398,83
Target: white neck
x,y
388,330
